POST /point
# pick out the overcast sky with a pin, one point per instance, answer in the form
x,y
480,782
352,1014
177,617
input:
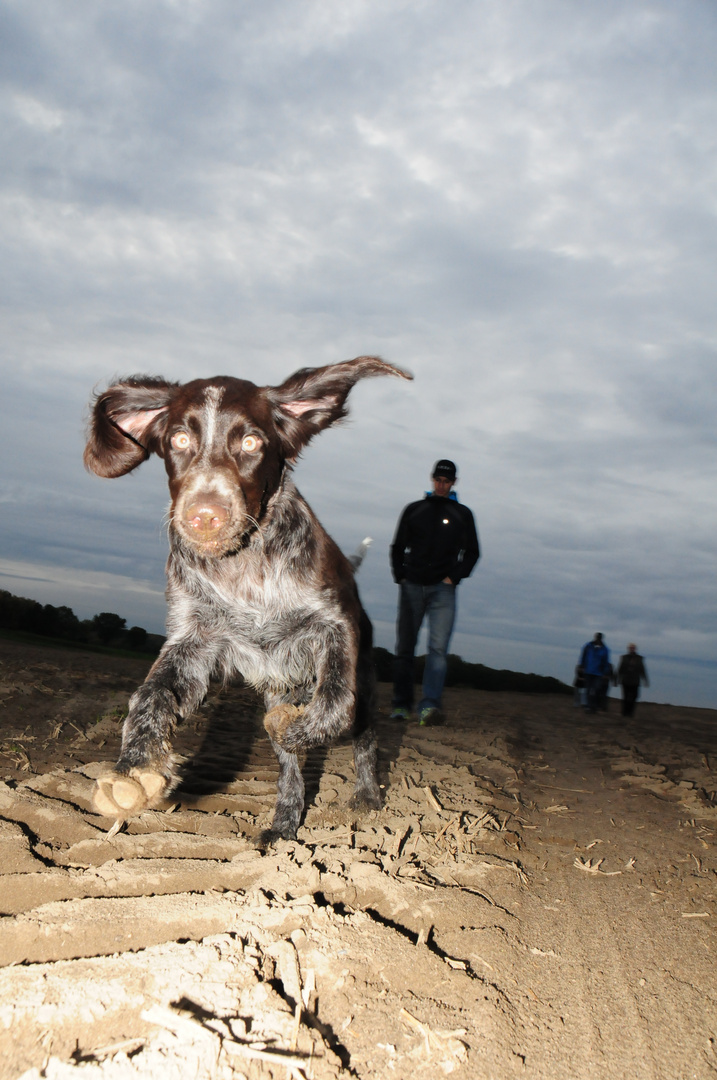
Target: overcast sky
x,y
514,199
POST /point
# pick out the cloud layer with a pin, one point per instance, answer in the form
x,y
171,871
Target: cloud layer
x,y
514,201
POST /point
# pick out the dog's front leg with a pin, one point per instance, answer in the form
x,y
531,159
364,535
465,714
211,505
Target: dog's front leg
x,y
330,709
280,713
144,772
289,798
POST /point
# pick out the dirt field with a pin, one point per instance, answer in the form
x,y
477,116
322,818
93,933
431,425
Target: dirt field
x,y
536,899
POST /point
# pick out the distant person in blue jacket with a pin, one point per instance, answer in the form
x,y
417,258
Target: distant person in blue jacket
x,y
435,547
595,664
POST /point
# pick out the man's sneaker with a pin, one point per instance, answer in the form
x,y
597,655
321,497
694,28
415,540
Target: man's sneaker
x,y
401,713
430,717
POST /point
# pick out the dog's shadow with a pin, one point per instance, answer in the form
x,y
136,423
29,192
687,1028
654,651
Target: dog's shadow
x,y
234,746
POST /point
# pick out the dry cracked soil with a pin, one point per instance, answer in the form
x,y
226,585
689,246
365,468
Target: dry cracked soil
x,y
536,898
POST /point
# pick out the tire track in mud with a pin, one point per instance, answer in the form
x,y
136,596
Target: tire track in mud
x,y
613,941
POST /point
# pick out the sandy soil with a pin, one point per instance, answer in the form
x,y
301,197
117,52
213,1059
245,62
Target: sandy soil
x,y
536,899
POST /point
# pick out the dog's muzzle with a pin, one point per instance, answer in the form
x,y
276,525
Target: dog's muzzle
x,y
211,521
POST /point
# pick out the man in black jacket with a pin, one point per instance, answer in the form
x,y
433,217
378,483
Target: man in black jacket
x,y
435,546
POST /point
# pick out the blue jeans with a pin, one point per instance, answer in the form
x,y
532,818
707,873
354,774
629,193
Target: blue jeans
x,y
415,602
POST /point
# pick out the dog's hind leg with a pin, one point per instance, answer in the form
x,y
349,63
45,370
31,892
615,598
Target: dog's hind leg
x,y
367,793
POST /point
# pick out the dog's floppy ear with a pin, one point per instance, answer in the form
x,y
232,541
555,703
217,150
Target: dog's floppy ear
x,y
314,398
126,422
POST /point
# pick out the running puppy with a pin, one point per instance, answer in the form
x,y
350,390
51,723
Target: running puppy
x,y
255,585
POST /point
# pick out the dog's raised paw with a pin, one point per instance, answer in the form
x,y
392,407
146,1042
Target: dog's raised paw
x,y
279,719
119,795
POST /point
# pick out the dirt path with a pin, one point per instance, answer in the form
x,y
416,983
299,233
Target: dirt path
x,y
536,898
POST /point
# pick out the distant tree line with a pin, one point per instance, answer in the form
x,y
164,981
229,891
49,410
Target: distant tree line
x,y
476,676
17,613
20,614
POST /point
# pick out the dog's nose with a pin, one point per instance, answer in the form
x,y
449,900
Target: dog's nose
x,y
206,516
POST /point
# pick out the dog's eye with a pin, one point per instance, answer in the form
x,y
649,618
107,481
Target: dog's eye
x,y
181,441
250,444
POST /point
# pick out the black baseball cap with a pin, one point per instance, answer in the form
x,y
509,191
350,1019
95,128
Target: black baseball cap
x,y
446,468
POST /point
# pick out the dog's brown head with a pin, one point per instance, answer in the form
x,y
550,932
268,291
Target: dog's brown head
x,y
225,442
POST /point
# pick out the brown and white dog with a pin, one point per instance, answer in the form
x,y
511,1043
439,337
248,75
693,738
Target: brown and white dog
x,y
255,584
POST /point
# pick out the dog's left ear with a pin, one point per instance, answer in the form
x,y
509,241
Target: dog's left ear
x,y
314,398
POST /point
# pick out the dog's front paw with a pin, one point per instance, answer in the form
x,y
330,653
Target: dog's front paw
x,y
272,836
121,795
279,719
366,799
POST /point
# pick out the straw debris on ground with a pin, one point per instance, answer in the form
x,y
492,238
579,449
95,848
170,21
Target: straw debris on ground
x,y
536,898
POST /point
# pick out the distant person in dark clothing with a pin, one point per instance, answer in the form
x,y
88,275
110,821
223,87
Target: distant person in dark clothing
x,y
594,661
435,547
631,672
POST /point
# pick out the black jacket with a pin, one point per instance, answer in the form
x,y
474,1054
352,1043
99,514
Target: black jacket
x,y
631,671
435,538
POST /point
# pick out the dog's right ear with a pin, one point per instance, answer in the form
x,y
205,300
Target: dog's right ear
x,y
126,423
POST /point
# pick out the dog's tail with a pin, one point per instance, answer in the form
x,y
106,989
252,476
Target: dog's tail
x,y
360,553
